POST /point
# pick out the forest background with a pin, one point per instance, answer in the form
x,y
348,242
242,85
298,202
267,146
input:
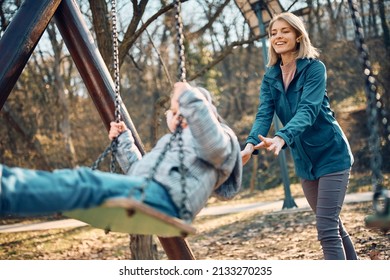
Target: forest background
x,y
49,121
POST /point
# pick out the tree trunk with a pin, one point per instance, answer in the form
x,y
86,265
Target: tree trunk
x,y
103,30
142,248
59,86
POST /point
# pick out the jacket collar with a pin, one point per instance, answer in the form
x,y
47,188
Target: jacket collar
x,y
274,71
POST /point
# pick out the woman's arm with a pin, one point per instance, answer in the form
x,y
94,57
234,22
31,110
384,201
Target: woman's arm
x,y
309,105
264,115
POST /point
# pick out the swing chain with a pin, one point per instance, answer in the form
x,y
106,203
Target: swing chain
x,y
112,148
118,100
180,41
184,213
374,104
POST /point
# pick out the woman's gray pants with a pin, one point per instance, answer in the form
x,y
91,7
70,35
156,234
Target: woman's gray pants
x,y
326,197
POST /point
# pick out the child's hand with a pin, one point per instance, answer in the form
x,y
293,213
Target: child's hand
x,y
173,114
246,154
116,129
178,89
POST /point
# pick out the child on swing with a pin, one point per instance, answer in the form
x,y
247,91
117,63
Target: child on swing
x,y
211,157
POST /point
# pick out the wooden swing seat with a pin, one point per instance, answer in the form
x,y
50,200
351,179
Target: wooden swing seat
x,y
127,215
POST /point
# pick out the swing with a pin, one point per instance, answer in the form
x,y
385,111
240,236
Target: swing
x,y
381,198
128,215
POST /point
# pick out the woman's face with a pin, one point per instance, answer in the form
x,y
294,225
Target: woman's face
x,y
283,38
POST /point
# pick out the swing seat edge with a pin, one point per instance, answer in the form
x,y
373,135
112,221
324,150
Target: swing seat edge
x,y
127,215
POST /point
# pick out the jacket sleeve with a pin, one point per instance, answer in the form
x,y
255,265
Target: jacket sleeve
x,y
211,142
127,152
264,115
309,105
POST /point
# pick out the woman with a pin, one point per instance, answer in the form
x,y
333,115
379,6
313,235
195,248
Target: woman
x,y
294,87
211,159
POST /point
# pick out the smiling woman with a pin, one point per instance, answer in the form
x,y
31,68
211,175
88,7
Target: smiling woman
x,y
294,87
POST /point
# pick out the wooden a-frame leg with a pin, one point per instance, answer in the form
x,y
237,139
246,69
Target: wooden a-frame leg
x,y
20,39
101,89
17,45
177,248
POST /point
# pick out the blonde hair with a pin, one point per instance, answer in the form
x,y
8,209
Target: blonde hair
x,y
304,48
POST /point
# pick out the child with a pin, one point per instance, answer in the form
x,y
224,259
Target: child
x,y
211,157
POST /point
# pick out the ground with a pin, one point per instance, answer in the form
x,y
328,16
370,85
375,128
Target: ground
x,y
283,236
253,235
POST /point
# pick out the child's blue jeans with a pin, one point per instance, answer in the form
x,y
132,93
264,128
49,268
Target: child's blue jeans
x,y
32,192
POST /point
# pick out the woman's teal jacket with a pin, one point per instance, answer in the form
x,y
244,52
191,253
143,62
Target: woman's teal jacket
x,y
317,142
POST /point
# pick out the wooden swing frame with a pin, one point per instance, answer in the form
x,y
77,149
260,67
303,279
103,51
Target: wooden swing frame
x,y
20,40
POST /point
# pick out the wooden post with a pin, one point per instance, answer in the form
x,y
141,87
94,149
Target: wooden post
x,y
101,89
91,65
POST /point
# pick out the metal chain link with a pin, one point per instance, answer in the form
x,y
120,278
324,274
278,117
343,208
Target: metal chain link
x,y
118,100
184,213
180,42
101,158
374,105
112,148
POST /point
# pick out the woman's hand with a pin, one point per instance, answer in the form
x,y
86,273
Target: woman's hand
x,y
116,129
274,145
246,154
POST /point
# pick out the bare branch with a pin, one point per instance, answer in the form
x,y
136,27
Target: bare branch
x,y
228,50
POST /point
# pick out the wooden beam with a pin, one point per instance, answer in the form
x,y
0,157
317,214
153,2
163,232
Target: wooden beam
x,y
20,39
90,65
